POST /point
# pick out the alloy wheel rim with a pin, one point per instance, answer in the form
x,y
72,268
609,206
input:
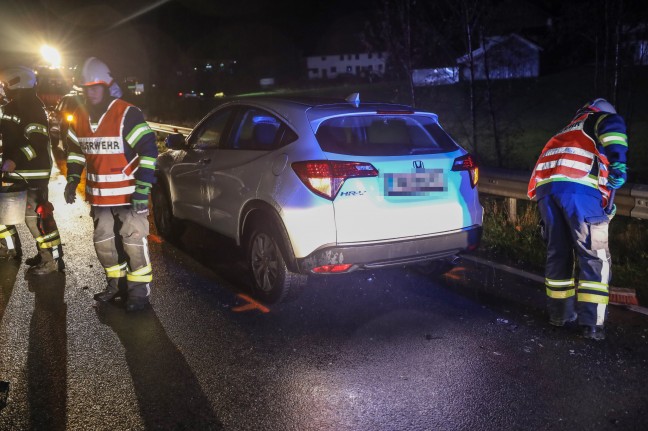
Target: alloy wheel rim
x,y
265,264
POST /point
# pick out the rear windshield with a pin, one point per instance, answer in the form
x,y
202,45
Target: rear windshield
x,y
383,135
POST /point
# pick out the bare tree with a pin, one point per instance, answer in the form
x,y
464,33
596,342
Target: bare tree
x,y
402,28
468,14
489,100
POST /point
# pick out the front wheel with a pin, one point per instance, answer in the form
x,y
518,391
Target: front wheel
x,y
166,224
272,280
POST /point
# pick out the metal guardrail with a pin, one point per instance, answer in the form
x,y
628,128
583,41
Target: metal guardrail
x,y
168,129
631,200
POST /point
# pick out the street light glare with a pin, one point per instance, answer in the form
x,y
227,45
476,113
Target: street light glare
x,y
51,56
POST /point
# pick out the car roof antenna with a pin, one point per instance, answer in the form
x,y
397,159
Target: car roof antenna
x,y
354,99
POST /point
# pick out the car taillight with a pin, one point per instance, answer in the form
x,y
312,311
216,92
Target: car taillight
x,y
467,163
325,178
330,269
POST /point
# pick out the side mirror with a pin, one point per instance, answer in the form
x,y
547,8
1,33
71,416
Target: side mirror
x,y
175,141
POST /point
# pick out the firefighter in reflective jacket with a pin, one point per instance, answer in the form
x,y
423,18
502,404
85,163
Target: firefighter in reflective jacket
x,y
572,181
111,140
26,157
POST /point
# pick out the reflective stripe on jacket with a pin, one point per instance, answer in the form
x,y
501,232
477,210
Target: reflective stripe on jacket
x,y
572,155
110,179
25,139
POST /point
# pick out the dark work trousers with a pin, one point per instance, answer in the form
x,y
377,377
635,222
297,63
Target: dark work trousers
x,y
39,218
120,240
576,224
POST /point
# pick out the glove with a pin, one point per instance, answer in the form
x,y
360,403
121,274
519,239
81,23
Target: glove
x,y
8,166
140,200
611,213
70,191
617,177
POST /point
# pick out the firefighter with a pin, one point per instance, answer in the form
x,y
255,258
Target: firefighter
x,y
111,140
27,157
572,182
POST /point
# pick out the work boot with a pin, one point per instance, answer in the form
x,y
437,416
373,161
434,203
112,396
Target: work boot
x,y
594,332
563,322
115,289
6,254
47,267
35,260
136,303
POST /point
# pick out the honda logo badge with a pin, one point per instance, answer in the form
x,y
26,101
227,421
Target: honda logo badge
x,y
418,164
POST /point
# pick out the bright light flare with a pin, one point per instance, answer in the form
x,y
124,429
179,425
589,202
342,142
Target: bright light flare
x,y
51,56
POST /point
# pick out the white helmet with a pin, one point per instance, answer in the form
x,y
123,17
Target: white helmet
x,y
603,105
94,72
18,77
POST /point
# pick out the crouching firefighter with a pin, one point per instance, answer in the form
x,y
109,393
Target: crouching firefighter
x,y
110,138
571,182
26,157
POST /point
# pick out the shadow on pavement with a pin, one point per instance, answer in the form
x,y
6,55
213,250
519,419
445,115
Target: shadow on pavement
x,y
169,395
216,252
8,272
47,354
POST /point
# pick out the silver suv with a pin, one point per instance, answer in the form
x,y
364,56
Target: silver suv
x,y
321,187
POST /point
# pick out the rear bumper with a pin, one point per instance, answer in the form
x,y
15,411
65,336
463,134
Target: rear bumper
x,y
394,253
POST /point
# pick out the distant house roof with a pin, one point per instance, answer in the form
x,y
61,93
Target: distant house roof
x,y
497,40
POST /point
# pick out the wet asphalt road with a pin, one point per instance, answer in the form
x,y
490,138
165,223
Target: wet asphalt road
x,y
380,350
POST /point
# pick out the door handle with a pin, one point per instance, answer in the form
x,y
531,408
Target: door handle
x,y
205,161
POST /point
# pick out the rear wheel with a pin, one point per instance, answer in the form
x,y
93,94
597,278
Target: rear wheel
x,y
272,280
166,224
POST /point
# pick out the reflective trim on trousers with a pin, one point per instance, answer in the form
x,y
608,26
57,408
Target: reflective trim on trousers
x,y
142,275
116,271
7,231
576,223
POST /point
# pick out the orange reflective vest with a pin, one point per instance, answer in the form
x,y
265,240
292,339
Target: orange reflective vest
x,y
570,156
109,178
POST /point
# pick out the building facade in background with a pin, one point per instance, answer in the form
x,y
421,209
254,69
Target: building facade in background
x,y
364,65
504,57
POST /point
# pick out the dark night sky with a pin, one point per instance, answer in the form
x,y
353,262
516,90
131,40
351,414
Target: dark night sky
x,y
147,38
135,35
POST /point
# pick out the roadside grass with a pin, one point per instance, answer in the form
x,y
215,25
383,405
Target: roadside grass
x,y
520,245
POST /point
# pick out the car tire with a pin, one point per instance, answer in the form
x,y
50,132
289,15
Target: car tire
x,y
166,224
272,281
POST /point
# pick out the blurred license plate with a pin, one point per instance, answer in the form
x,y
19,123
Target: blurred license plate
x,y
421,182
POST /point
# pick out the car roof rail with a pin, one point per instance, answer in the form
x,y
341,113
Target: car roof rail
x,y
353,99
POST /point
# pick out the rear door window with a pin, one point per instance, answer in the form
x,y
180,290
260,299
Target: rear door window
x,y
257,130
383,135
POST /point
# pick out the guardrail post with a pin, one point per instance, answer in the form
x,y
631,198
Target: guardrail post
x,y
511,207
